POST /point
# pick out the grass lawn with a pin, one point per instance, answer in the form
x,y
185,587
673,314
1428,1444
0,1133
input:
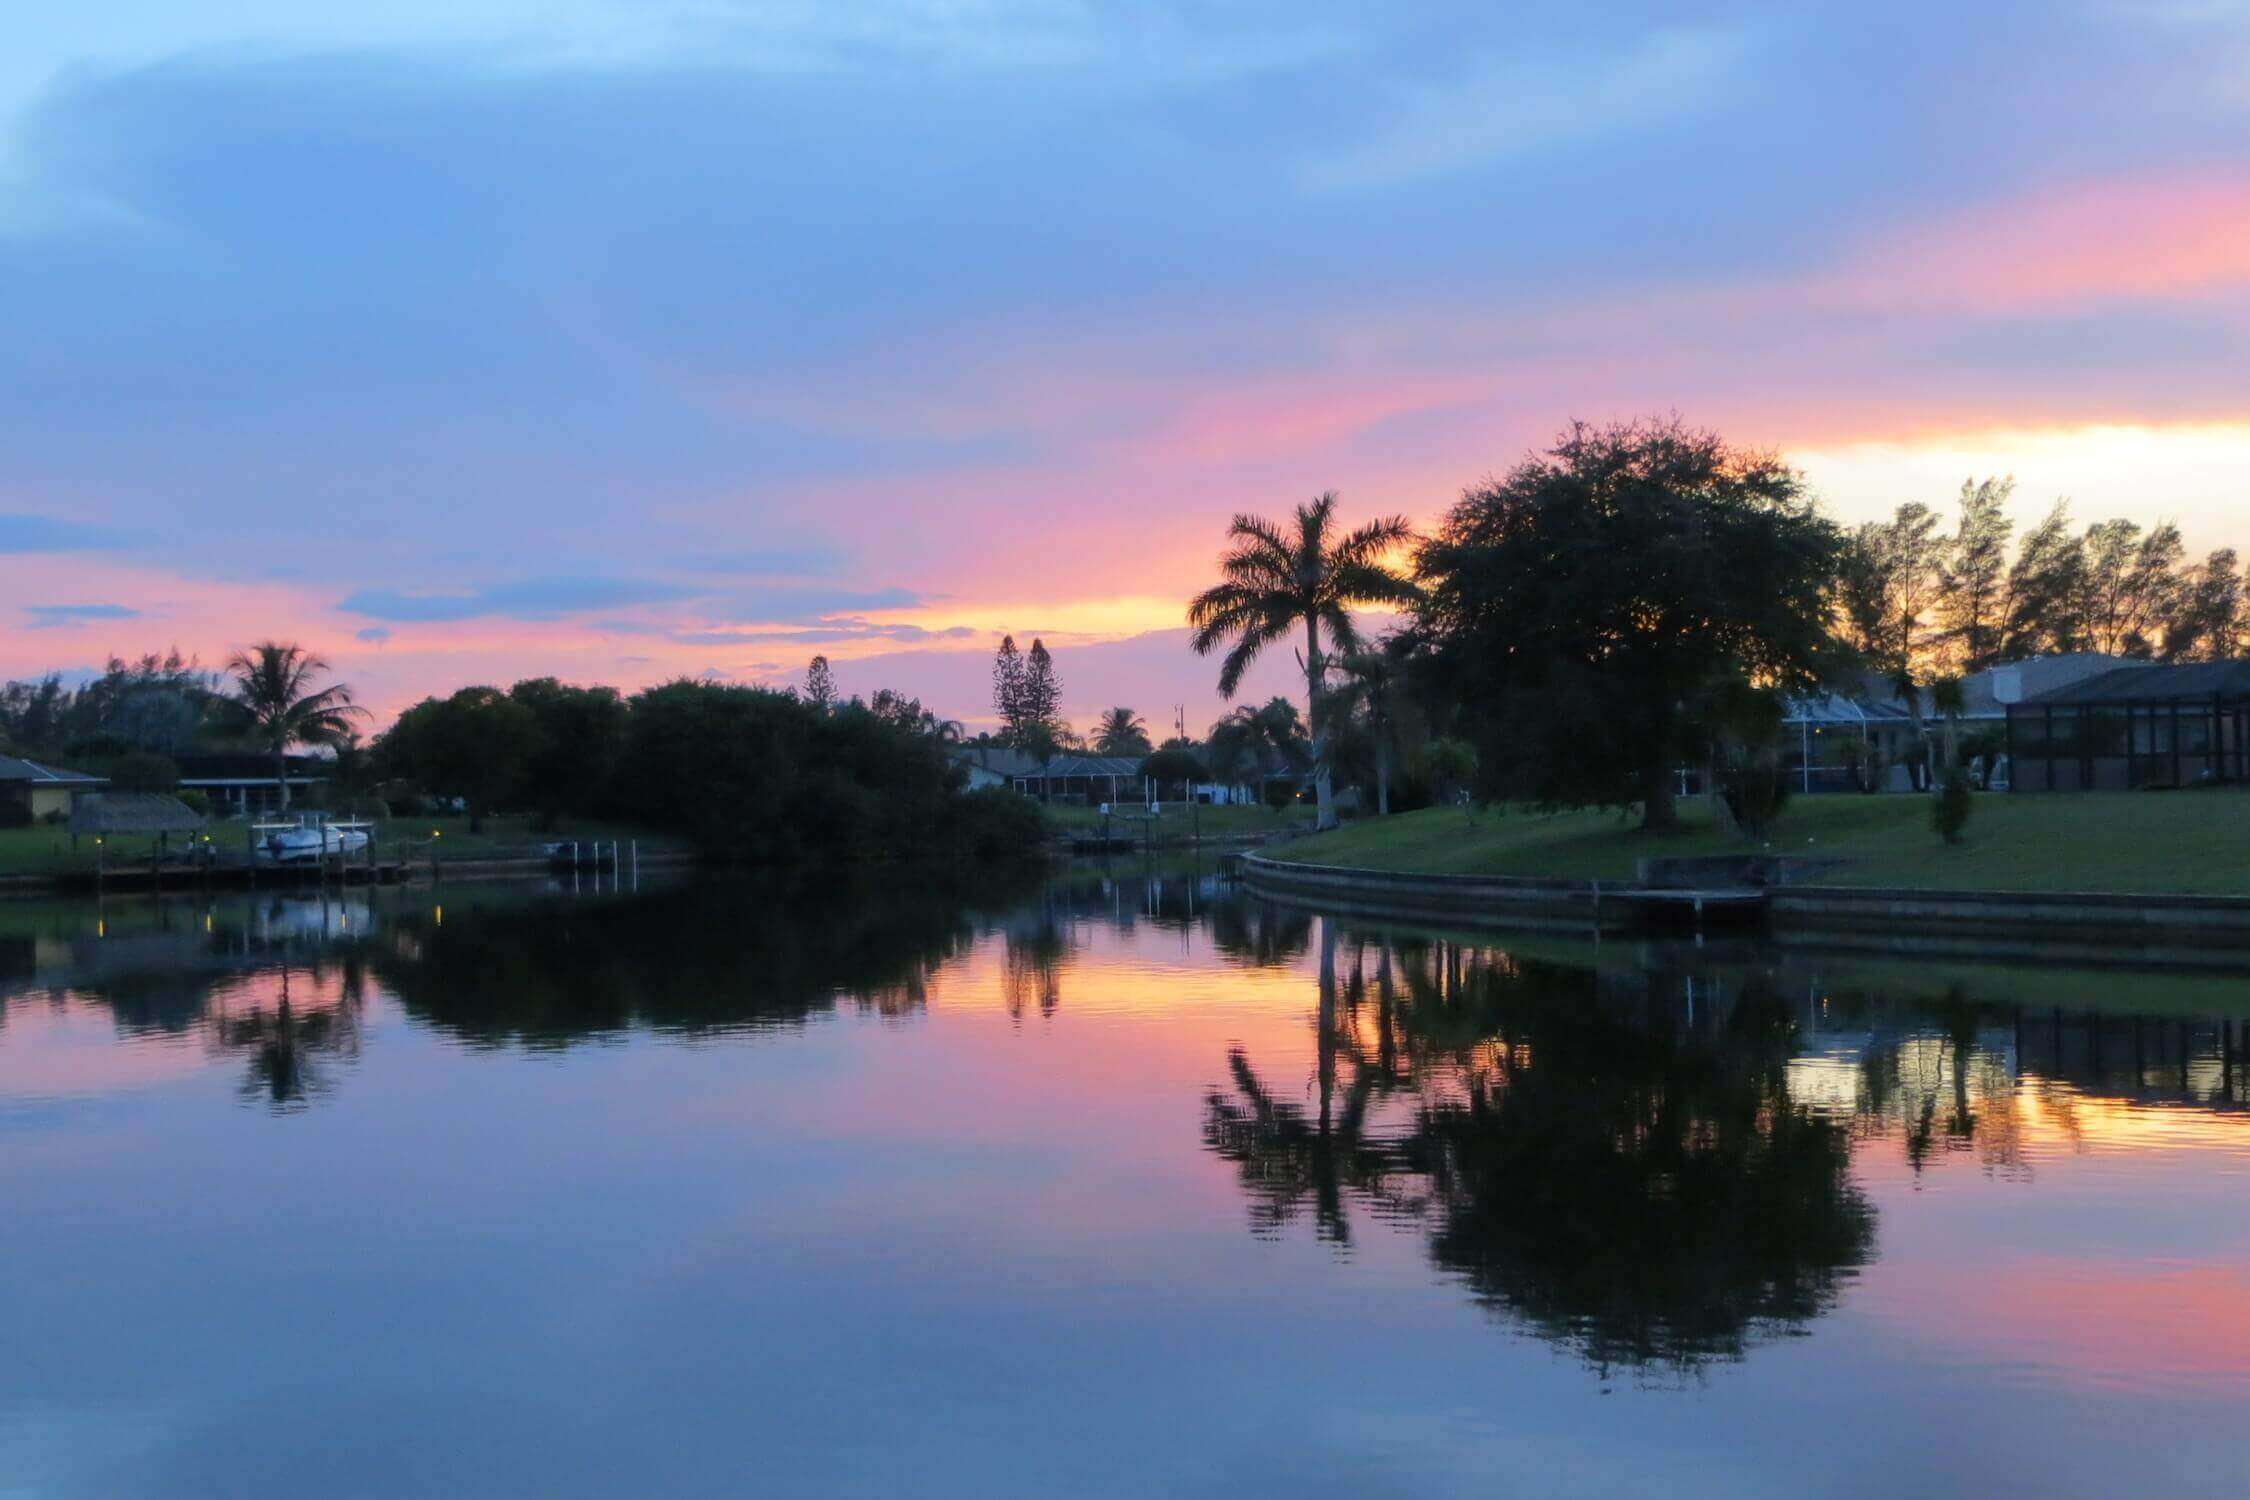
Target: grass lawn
x,y
2169,842
42,850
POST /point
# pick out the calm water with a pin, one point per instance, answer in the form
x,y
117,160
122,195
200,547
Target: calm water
x,y
1114,1186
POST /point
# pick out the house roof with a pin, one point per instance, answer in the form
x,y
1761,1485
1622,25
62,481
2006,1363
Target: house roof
x,y
1085,765
1988,694
13,770
246,765
1840,708
998,759
2155,684
1984,695
134,812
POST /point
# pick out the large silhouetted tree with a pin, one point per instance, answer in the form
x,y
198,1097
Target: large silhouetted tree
x,y
1582,605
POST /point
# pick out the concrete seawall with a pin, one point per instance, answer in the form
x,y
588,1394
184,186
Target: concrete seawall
x,y
1938,922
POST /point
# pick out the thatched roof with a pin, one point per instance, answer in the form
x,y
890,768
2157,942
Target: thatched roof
x,y
133,812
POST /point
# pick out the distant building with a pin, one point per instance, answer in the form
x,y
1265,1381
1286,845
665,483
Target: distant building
x,y
1871,711
31,791
242,783
992,765
1084,778
2141,726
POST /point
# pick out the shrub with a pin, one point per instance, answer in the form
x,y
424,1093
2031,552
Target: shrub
x,y
993,823
144,771
1950,809
197,799
1755,793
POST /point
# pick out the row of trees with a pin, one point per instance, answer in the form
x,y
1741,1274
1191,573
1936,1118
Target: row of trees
x,y
1642,595
1918,600
753,775
133,718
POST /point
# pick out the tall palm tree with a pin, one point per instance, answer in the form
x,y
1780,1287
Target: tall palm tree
x,y
1278,581
1374,687
1947,697
275,703
1120,731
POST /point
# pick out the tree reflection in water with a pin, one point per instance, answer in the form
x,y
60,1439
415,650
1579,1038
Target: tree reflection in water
x,y
291,1047
1636,1188
703,958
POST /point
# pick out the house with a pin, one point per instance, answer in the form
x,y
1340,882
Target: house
x,y
2138,726
31,792
1870,710
1084,778
240,783
992,765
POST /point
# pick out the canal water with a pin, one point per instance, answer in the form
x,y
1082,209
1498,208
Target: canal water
x,y
1120,1183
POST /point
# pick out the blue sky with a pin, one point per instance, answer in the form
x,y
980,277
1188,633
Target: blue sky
x,y
615,341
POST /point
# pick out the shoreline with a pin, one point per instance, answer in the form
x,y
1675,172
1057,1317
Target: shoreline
x,y
1942,923
130,880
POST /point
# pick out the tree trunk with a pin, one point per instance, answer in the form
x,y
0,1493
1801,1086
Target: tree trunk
x,y
1382,778
1327,1041
1658,815
281,773
1324,791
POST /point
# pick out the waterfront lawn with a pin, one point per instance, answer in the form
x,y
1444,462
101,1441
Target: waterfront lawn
x,y
2195,842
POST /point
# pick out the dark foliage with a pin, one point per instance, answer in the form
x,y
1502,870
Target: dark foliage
x,y
761,777
1580,607
1950,809
144,771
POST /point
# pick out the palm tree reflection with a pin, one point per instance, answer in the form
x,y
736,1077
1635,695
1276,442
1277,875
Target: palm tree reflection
x,y
1637,1189
291,1048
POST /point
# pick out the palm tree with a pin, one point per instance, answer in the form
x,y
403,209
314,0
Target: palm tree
x,y
1244,745
1373,687
275,703
1278,581
1120,731
1947,698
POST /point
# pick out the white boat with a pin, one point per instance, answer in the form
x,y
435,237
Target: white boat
x,y
302,842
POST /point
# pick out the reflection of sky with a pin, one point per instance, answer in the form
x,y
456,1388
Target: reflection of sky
x,y
879,329
962,1250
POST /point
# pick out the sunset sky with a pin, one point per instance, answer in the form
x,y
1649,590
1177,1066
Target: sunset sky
x,y
619,339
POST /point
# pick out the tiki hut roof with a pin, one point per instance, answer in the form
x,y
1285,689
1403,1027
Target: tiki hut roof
x,y
133,812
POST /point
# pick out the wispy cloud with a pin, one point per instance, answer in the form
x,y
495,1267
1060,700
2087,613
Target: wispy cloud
x,y
62,616
1521,103
20,532
528,599
373,635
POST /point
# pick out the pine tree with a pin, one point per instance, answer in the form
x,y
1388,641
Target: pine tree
x,y
820,685
1042,692
2203,621
2045,588
1972,578
1007,691
2131,579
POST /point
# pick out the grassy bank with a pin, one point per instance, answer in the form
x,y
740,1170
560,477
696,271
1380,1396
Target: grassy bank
x,y
43,850
2191,842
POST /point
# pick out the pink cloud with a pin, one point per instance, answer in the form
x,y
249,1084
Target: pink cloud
x,y
2168,239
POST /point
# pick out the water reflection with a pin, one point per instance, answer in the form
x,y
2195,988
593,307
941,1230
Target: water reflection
x,y
1655,1159
1642,1191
